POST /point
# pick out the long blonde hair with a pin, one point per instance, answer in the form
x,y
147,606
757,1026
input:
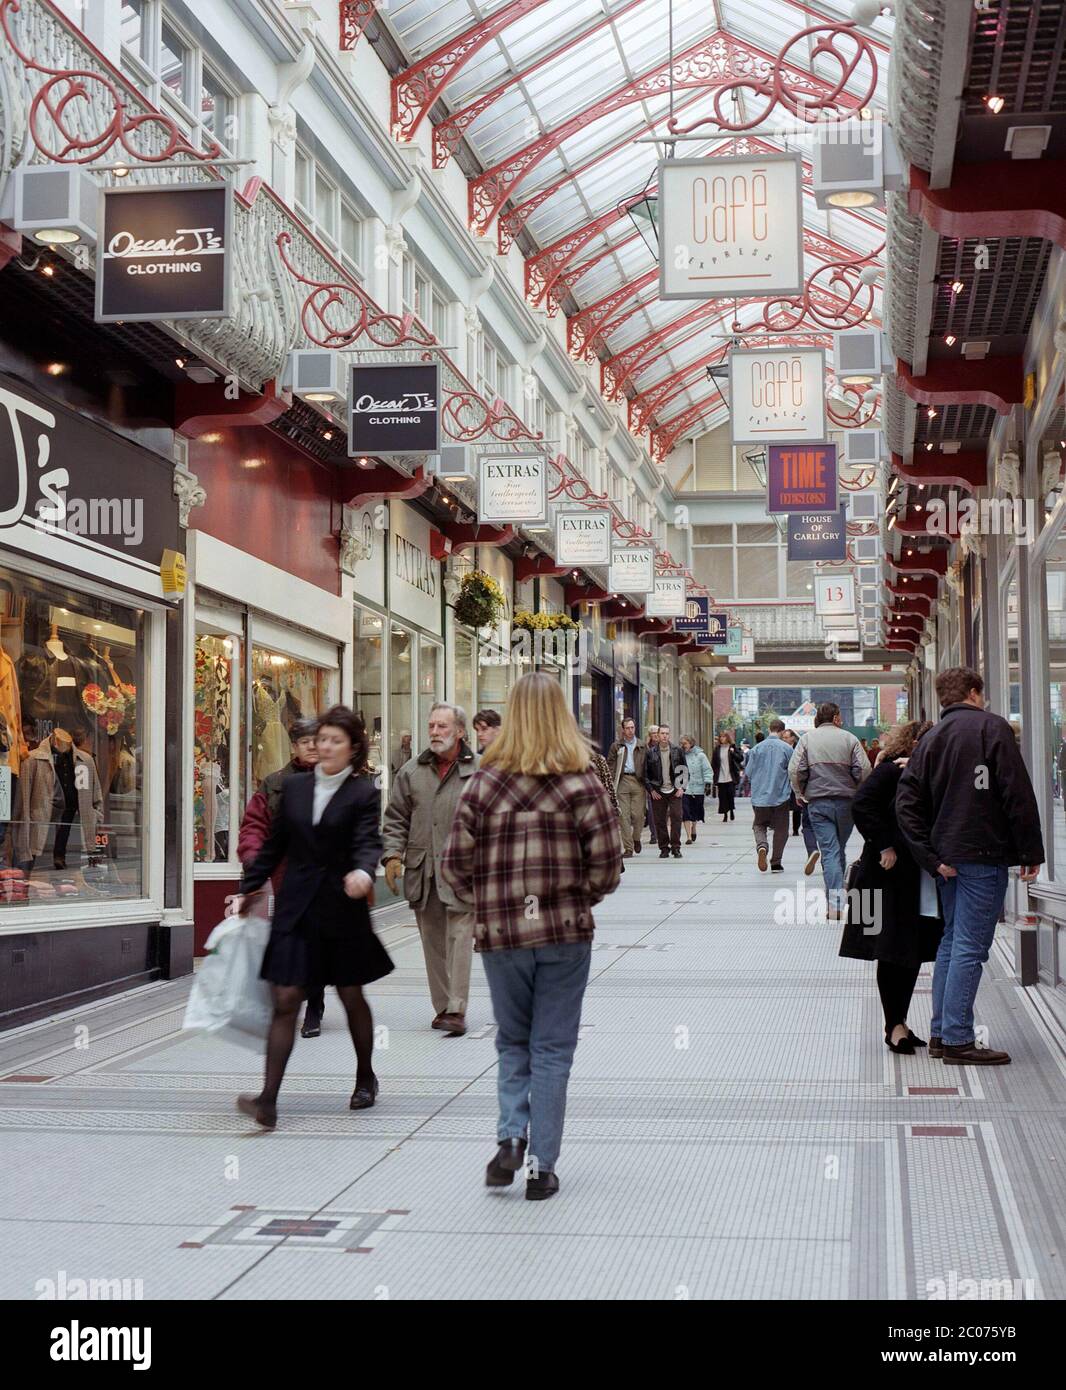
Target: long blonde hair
x,y
539,735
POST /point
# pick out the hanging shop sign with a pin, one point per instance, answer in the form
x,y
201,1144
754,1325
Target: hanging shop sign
x,y
77,494
801,478
632,569
414,575
834,594
817,535
668,598
734,644
512,489
730,226
583,538
695,617
747,652
394,408
716,633
777,394
165,252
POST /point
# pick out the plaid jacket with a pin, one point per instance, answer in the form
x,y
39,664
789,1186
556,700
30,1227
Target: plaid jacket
x,y
535,854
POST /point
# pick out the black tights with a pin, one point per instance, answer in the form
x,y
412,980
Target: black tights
x,y
287,1001
895,984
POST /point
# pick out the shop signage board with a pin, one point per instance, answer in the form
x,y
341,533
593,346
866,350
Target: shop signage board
x,y
834,594
695,619
747,652
730,226
801,478
583,537
364,533
777,395
165,252
394,408
716,633
632,569
817,535
512,489
734,644
414,575
77,494
667,598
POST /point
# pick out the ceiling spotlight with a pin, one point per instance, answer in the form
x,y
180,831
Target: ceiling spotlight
x,y
929,448
56,368
957,287
121,171
48,270
179,362
950,340
994,104
328,434
931,412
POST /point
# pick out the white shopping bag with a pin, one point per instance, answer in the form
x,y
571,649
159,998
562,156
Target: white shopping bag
x,y
228,997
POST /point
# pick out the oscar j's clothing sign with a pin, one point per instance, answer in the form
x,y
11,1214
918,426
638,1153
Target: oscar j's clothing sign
x,y
395,409
74,492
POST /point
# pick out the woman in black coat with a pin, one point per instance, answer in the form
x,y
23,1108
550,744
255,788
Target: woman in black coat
x,y
327,831
893,918
732,768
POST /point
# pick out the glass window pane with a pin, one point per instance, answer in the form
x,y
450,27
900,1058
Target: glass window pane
x,y
712,535
430,686
284,689
760,533
403,740
215,106
714,567
367,673
325,206
215,683
464,670
800,580
132,26
174,65
757,571
349,233
303,179
72,764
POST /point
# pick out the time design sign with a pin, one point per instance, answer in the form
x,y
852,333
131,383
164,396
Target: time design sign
x,y
730,226
801,478
777,394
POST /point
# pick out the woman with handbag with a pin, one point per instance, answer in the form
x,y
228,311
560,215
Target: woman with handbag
x,y
327,830
893,914
726,765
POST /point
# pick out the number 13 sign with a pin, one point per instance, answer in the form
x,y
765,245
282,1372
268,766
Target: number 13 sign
x,y
834,594
730,226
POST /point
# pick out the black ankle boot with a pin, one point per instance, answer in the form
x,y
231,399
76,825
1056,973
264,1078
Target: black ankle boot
x,y
509,1158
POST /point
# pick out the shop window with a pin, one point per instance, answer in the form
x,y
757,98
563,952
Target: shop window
x,y
284,690
217,771
71,748
368,669
173,73
430,685
403,739
464,670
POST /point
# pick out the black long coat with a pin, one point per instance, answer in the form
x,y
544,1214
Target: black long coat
x,y
736,762
887,899
319,856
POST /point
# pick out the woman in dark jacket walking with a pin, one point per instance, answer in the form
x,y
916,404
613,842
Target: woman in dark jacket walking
x,y
326,829
893,914
727,765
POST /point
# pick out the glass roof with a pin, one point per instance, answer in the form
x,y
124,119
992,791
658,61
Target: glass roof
x,y
573,61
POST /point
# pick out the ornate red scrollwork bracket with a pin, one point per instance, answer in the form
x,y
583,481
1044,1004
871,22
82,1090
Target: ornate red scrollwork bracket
x,y
778,87
834,297
860,416
865,478
355,15
67,95
467,416
357,312
572,485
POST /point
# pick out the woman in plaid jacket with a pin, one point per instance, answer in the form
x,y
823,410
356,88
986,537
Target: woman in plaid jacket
x,y
535,844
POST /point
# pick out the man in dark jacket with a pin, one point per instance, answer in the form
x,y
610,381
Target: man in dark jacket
x,y
666,777
966,808
255,827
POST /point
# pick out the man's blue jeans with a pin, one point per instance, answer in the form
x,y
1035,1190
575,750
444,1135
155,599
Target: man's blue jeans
x,y
536,998
832,823
972,902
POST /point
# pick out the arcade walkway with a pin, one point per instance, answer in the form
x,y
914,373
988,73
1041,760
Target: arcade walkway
x,y
737,1129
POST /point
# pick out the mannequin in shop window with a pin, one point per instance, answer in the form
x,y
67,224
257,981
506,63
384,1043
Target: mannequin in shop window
x,y
272,745
60,785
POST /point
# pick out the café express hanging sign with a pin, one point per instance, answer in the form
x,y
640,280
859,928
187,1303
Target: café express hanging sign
x,y
777,394
394,408
165,253
730,226
512,489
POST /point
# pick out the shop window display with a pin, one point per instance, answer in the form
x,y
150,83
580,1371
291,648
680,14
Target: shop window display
x,y
367,674
283,691
215,681
71,824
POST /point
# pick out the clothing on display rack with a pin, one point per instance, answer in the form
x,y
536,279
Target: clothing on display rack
x,y
45,775
272,745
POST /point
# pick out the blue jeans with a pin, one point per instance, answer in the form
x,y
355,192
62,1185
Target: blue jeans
x,y
536,998
810,843
831,821
972,902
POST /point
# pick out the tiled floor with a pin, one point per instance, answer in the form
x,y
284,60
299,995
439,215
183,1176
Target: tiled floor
x,y
736,1129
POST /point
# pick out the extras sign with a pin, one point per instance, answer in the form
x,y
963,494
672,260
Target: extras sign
x,y
394,408
512,489
730,226
583,538
165,253
632,569
777,394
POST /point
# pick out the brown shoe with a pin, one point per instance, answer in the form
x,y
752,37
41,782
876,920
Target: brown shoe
x,y
970,1055
260,1111
437,1021
455,1024
762,859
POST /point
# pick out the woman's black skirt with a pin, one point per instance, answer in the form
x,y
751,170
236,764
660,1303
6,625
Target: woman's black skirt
x,y
691,807
727,792
321,950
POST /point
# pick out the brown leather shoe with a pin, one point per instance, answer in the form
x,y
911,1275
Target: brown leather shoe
x,y
455,1024
970,1055
437,1021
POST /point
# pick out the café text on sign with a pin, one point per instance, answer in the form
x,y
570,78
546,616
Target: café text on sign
x,y
777,395
801,478
730,227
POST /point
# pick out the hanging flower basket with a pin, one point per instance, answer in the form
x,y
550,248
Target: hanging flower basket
x,y
481,601
544,622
